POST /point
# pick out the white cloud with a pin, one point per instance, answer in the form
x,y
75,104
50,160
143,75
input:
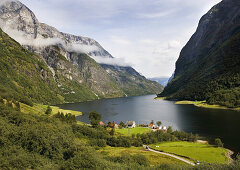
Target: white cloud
x,y
120,40
111,61
149,42
174,44
81,48
155,15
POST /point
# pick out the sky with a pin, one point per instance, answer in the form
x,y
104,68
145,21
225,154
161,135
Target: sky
x,y
148,34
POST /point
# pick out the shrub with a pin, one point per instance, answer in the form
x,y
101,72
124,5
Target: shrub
x,y
218,142
48,111
26,101
98,142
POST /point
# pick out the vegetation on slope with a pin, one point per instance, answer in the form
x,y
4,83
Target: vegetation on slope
x,y
24,76
215,79
131,82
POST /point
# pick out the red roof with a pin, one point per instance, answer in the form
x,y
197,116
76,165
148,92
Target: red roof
x,y
150,125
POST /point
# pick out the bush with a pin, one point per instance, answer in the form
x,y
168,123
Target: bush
x,y
98,142
218,142
131,159
26,101
95,119
69,118
48,111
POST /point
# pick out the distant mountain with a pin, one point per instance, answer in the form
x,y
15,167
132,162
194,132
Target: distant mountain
x,y
209,65
161,80
81,68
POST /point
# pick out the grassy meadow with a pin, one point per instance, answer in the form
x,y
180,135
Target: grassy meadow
x,y
153,158
41,109
131,131
196,151
205,105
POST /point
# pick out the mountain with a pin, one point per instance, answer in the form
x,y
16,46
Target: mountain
x,y
131,82
72,59
161,80
25,75
209,65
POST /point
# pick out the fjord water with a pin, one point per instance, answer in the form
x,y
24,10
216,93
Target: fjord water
x,y
214,123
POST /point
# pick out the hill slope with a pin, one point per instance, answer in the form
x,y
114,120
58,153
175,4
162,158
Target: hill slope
x,y
24,75
209,65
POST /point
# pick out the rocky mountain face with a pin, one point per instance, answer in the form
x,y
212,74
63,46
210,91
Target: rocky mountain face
x,y
209,65
130,81
70,58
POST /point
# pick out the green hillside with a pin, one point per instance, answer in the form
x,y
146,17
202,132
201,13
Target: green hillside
x,y
24,76
216,78
209,65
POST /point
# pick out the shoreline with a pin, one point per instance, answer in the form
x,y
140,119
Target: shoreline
x,y
202,104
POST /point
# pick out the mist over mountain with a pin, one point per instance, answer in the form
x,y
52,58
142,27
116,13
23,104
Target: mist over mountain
x,y
81,68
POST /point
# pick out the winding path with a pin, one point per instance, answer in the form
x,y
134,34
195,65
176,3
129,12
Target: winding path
x,y
173,156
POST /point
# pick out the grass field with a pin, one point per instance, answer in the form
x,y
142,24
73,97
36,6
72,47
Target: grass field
x,y
205,105
160,98
196,151
130,131
41,109
154,158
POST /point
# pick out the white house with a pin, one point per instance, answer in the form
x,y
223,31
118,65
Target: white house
x,y
131,124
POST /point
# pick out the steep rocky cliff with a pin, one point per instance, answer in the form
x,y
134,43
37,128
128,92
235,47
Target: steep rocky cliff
x,y
70,58
209,65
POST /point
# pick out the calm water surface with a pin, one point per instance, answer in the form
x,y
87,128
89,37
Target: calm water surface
x,y
142,109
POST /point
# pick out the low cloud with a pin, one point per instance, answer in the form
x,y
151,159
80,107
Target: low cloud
x,y
81,48
28,40
155,15
111,61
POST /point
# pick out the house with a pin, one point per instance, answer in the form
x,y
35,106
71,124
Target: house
x,y
111,125
116,126
101,123
151,126
131,124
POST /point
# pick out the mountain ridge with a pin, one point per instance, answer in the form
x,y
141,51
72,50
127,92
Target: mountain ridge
x,y
70,58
